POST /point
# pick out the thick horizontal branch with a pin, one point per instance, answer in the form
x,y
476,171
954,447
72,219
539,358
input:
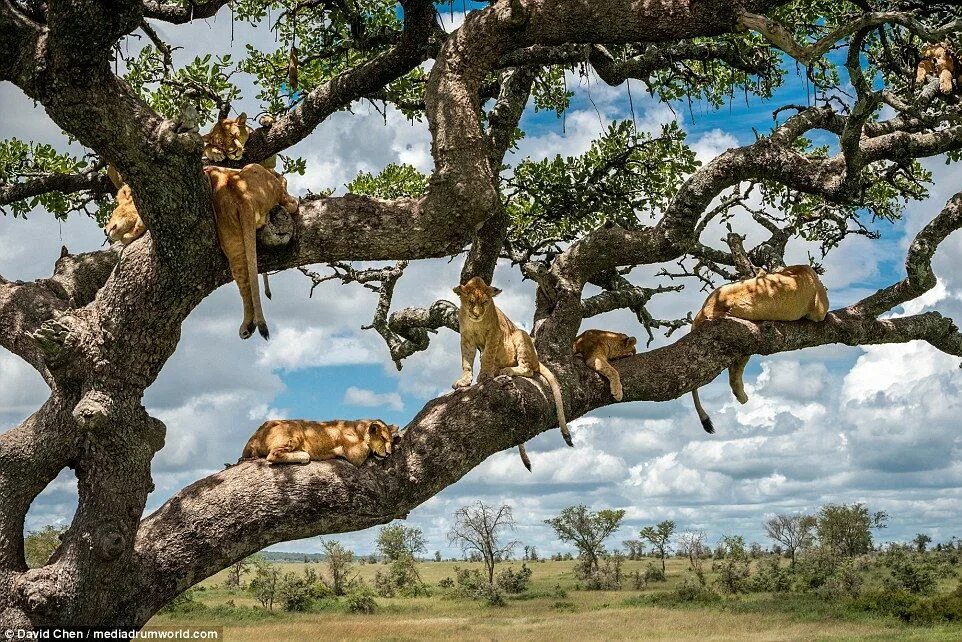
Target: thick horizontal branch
x,y
94,182
252,505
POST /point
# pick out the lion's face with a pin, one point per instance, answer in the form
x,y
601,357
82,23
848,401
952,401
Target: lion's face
x,y
937,54
381,438
625,347
476,297
228,138
124,218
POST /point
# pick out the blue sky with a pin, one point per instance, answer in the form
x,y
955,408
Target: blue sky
x,y
833,424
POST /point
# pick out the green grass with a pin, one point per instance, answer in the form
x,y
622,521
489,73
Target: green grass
x,y
547,613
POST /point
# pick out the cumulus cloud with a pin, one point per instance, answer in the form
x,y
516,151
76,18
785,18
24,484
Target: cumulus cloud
x,y
355,396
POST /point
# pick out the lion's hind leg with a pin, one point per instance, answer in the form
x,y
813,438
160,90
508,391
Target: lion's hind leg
x,y
284,451
736,372
525,355
608,372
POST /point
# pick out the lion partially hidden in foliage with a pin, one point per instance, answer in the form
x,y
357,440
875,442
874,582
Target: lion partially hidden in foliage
x,y
505,349
297,441
938,60
789,294
242,199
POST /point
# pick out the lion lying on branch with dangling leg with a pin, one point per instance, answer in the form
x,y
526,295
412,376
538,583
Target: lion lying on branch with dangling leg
x,y
788,294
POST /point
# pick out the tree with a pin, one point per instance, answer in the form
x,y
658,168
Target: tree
x,y
266,583
38,546
795,532
237,570
100,329
587,531
659,537
635,549
481,529
399,541
339,562
693,545
437,556
921,541
846,529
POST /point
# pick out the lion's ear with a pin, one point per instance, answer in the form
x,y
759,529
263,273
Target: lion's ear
x,y
373,428
493,291
458,290
242,119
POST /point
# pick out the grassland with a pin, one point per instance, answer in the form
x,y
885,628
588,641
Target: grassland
x,y
552,609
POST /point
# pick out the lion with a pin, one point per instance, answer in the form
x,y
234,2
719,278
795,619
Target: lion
x,y
789,294
937,60
505,349
226,140
298,441
598,347
242,200
125,224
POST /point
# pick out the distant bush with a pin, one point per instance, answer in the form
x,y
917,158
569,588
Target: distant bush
x,y
401,579
654,574
447,584
607,577
491,595
184,603
814,568
733,571
911,572
771,577
693,590
845,582
360,599
514,582
298,593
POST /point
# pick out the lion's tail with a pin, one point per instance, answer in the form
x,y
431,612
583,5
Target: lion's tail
x,y
705,419
559,402
249,234
524,457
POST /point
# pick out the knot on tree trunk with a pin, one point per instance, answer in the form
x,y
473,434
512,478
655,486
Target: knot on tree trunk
x,y
38,591
94,410
109,543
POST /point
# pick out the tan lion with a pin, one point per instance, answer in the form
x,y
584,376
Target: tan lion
x,y
598,347
242,200
227,138
937,60
789,294
297,441
505,349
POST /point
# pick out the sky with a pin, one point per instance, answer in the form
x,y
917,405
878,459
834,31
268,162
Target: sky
x,y
834,424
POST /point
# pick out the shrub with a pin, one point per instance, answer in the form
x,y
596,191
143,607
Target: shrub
x,y
814,568
184,603
401,579
693,590
771,577
297,593
447,583
607,577
911,572
491,595
360,599
514,582
638,581
845,582
733,571
654,574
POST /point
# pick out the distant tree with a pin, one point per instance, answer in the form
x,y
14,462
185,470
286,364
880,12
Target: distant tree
x,y
921,540
733,571
659,537
634,549
586,530
397,541
847,529
266,583
237,570
437,556
481,529
38,546
795,532
339,563
533,554
692,545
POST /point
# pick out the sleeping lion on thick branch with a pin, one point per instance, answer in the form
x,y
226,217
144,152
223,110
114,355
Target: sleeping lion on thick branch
x,y
789,294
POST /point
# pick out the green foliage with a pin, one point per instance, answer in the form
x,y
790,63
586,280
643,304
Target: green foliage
x,y
265,584
845,582
771,577
659,536
626,176
550,91
912,572
39,545
298,593
23,161
586,530
361,600
186,602
733,571
202,85
814,568
514,582
847,529
394,181
398,541
401,579
654,574
339,562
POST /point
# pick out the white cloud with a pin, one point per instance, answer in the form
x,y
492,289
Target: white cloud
x,y
355,396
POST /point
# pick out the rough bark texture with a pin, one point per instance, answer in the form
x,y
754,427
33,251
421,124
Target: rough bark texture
x,y
102,327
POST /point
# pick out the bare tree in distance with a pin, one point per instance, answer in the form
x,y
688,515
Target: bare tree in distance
x,y
795,532
100,330
481,529
693,544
